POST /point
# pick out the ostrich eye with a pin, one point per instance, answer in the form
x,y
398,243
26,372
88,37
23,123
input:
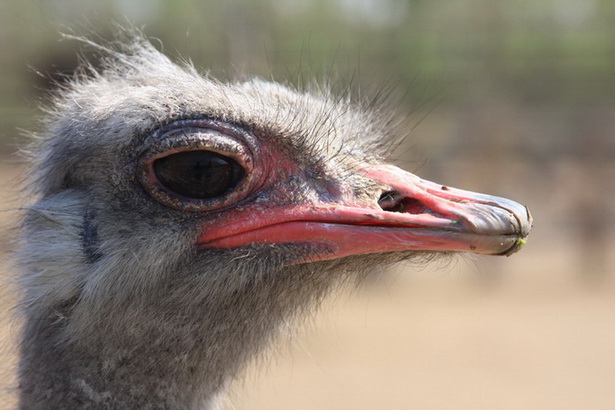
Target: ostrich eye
x,y
198,174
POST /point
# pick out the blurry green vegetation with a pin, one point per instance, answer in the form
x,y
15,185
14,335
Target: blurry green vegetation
x,y
534,52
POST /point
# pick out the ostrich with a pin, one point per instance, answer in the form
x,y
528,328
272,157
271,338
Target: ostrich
x,y
178,223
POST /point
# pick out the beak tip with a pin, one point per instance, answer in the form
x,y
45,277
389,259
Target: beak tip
x,y
530,222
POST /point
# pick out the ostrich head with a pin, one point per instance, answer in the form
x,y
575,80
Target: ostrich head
x,y
179,222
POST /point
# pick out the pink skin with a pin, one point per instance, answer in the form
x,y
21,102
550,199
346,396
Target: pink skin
x,y
425,216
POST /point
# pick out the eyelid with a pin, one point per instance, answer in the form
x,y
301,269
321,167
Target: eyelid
x,y
200,125
196,139
192,139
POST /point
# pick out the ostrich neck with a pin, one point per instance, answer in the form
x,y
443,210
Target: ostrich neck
x,y
161,351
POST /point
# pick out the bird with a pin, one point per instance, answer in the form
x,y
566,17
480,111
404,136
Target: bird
x,y
177,224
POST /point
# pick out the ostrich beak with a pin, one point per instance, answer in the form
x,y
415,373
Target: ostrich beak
x,y
410,214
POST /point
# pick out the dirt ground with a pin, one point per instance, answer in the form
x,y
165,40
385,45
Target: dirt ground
x,y
532,331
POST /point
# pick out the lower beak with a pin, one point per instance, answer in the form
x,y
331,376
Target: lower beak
x,y
410,214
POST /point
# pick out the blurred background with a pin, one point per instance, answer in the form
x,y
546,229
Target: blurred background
x,y
509,97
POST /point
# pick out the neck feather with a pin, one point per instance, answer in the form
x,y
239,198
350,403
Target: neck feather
x,y
171,349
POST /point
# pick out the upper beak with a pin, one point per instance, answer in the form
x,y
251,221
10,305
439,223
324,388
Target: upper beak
x,y
410,214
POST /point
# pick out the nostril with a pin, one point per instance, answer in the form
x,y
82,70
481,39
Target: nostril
x,y
392,201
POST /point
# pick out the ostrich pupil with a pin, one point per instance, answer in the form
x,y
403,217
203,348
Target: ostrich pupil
x,y
198,174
